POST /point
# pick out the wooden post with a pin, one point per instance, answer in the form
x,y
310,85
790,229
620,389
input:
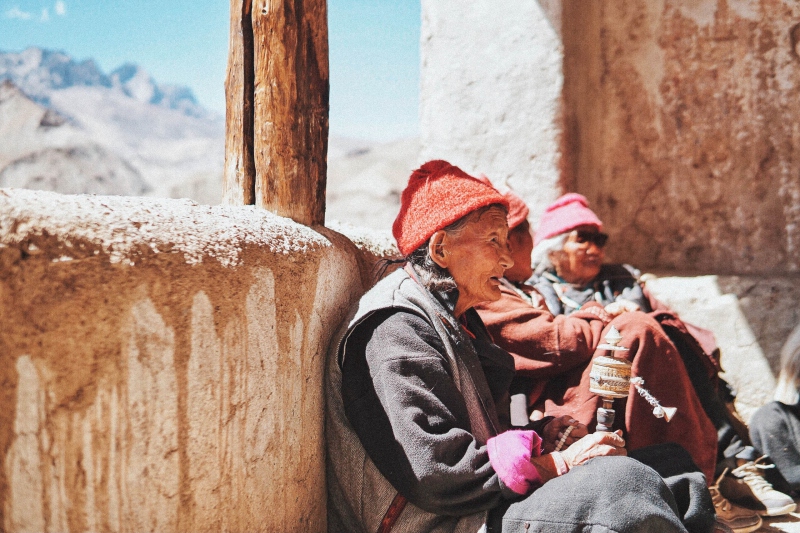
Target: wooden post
x,y
290,43
239,175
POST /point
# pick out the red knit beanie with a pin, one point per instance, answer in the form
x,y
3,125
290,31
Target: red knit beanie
x,y
517,209
437,195
565,214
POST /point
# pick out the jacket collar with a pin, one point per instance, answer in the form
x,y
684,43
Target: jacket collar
x,y
447,299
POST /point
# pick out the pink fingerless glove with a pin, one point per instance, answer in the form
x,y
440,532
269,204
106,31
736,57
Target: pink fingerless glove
x,y
510,455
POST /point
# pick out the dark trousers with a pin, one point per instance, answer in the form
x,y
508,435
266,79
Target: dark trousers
x,y
775,431
616,494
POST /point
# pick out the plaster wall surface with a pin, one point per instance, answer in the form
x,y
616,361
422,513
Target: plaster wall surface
x,y
672,116
161,364
680,128
490,91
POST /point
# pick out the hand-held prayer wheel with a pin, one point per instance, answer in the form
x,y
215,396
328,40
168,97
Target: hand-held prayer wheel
x,y
610,378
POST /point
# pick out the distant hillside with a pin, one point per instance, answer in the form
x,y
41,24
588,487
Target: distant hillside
x,y
41,149
68,127
365,180
117,133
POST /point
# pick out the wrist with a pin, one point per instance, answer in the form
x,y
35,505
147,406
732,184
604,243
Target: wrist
x,y
550,466
560,464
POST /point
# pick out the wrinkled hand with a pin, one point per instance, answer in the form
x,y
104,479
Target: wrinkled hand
x,y
621,306
554,430
597,444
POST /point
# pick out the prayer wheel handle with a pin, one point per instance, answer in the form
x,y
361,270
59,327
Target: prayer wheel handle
x,y
610,378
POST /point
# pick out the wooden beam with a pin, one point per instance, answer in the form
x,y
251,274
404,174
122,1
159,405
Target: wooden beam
x,y
290,42
239,175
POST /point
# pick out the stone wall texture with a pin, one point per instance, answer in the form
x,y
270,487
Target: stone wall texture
x,y
681,128
676,118
161,364
490,91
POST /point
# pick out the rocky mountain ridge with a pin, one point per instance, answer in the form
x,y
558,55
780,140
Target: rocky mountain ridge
x,y
66,126
38,72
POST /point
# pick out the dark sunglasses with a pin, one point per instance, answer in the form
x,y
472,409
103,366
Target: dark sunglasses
x,y
599,239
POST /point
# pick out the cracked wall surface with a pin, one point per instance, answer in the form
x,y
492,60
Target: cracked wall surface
x,y
680,126
676,118
162,364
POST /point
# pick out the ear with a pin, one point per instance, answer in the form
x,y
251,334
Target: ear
x,y
436,248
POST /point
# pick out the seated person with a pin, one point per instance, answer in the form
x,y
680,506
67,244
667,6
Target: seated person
x,y
775,427
554,328
418,402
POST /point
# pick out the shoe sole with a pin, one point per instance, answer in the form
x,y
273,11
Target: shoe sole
x,y
786,509
746,529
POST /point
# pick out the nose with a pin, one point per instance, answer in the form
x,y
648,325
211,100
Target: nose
x,y
505,258
593,248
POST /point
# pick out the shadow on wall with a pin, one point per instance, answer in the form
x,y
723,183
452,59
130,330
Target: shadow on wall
x,y
751,319
770,307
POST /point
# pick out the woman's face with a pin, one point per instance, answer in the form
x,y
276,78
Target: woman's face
x,y
520,242
580,259
476,257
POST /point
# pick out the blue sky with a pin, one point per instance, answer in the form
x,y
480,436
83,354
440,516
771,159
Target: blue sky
x,y
374,50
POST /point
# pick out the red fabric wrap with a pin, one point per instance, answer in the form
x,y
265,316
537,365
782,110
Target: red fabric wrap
x,y
555,353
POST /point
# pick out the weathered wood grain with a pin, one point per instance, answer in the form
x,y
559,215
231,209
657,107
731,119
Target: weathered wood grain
x,y
290,42
239,174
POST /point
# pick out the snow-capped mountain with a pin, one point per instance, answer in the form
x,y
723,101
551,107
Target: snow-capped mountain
x,y
120,130
68,127
38,72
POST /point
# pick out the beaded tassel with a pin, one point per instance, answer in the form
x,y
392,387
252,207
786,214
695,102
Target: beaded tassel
x,y
658,410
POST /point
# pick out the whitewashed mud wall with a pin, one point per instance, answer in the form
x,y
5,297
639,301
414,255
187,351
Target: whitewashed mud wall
x,y
161,364
490,94
678,119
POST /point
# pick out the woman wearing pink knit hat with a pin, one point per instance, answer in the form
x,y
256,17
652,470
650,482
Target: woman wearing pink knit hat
x,y
553,321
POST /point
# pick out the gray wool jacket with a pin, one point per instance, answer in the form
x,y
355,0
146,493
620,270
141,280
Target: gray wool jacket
x,y
409,408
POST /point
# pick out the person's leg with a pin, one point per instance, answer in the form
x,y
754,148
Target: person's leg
x,y
746,482
684,479
607,494
775,431
656,360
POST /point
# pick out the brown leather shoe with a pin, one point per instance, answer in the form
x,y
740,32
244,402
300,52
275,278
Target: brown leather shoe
x,y
738,519
719,527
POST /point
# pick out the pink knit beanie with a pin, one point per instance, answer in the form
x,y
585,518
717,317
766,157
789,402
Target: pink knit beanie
x,y
565,214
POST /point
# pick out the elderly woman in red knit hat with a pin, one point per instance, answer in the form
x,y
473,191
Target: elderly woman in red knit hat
x,y
553,322
418,400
